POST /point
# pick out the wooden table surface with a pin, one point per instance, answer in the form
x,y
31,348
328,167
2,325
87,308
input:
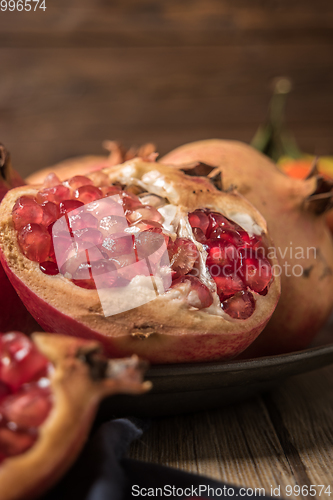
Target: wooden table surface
x,y
280,438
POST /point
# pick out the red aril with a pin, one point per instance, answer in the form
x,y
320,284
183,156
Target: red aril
x,y
28,408
78,181
88,194
144,212
82,220
4,391
55,194
130,201
240,306
198,295
227,235
51,180
26,211
50,213
148,242
256,273
219,221
199,235
227,286
118,244
20,361
111,190
149,225
67,206
50,268
182,254
63,247
220,253
113,224
199,219
104,273
35,242
88,238
15,442
124,260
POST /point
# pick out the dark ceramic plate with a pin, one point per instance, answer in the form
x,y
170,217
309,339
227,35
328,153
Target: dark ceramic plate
x,y
193,387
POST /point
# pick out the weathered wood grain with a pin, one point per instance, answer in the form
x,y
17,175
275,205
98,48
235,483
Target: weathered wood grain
x,y
283,438
168,72
147,23
56,103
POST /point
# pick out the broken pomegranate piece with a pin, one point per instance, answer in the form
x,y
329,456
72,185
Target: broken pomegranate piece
x,y
50,387
25,403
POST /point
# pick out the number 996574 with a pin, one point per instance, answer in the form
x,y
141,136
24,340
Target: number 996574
x,y
20,5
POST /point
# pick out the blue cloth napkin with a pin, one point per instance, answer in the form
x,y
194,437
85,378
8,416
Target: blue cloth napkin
x,y
102,473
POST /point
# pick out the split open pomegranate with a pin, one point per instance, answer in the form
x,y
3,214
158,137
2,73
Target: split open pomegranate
x,y
49,391
139,251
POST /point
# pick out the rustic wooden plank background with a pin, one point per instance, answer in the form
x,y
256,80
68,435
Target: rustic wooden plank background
x,y
282,438
168,72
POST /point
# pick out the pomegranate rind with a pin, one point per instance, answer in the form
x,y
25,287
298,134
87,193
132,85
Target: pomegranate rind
x,y
13,314
76,396
68,168
307,300
164,330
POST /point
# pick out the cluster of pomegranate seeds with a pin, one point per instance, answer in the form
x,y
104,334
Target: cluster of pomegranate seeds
x,y
25,398
235,260
99,235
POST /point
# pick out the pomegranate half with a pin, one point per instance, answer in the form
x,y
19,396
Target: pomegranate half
x,y
295,212
50,387
143,258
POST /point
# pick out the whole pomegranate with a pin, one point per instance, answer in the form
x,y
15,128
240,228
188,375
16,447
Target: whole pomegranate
x,y
301,168
82,165
294,211
144,258
13,314
50,388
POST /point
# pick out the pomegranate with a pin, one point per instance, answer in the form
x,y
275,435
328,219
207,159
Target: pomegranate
x,y
49,390
140,265
301,168
294,211
82,165
13,314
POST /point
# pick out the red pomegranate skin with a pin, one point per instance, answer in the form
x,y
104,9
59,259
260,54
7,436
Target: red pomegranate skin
x,y
189,347
13,313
